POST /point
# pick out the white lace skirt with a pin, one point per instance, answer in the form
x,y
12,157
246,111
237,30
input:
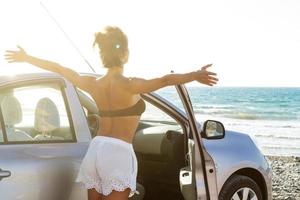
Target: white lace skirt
x,y
109,164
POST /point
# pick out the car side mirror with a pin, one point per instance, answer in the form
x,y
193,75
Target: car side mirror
x,y
213,130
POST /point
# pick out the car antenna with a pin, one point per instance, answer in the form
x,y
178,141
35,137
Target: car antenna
x,y
66,35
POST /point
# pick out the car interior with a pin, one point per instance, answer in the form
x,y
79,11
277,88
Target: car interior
x,y
43,121
164,154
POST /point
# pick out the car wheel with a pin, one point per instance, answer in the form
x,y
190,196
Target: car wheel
x,y
240,187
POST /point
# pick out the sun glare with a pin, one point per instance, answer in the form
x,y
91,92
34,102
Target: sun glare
x,y
249,43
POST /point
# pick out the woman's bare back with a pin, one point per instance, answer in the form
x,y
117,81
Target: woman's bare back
x,y
109,95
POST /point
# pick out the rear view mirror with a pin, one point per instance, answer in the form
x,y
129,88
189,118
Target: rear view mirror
x,y
213,130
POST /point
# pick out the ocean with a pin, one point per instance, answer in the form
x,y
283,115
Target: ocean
x,y
271,116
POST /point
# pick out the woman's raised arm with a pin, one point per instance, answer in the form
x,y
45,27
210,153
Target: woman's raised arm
x,y
140,85
84,82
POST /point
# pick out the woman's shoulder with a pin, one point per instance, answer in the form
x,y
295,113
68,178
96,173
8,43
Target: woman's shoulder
x,y
115,81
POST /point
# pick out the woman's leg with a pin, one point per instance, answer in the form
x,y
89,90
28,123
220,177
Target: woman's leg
x,y
94,195
115,195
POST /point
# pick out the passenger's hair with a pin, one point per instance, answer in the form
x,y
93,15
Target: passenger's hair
x,y
113,44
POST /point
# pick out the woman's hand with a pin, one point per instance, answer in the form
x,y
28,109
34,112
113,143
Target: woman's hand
x,y
206,77
139,85
86,83
16,56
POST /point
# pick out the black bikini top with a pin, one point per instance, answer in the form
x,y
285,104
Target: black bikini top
x,y
136,109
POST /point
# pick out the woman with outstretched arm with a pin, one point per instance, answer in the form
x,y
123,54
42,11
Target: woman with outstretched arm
x,y
109,168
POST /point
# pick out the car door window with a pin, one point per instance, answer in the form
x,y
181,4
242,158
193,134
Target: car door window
x,y
155,117
152,113
36,113
170,94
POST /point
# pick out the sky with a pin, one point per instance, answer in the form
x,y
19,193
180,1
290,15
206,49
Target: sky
x,y
250,43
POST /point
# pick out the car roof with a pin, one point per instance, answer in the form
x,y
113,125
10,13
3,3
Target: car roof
x,y
28,76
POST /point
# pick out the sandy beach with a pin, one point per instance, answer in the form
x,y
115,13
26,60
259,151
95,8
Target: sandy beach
x,y
286,177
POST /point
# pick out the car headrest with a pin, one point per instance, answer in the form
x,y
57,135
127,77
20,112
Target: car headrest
x,y
11,110
46,116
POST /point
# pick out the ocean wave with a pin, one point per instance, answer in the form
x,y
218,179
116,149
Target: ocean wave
x,y
282,126
249,114
280,147
278,137
229,114
242,116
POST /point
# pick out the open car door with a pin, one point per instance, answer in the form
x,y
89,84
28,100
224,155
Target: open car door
x,y
198,180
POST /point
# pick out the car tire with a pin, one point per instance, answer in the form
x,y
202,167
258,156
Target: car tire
x,y
237,186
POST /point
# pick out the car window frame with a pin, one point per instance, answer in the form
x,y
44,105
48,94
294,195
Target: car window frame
x,y
162,108
25,83
4,136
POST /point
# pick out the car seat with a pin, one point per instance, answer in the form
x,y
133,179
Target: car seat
x,y
46,120
12,114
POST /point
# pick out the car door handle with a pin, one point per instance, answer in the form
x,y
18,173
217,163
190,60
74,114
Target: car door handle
x,y
4,174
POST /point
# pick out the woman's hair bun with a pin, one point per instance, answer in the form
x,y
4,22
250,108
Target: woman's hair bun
x,y
112,42
98,38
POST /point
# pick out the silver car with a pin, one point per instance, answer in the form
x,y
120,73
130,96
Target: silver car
x,y
47,124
